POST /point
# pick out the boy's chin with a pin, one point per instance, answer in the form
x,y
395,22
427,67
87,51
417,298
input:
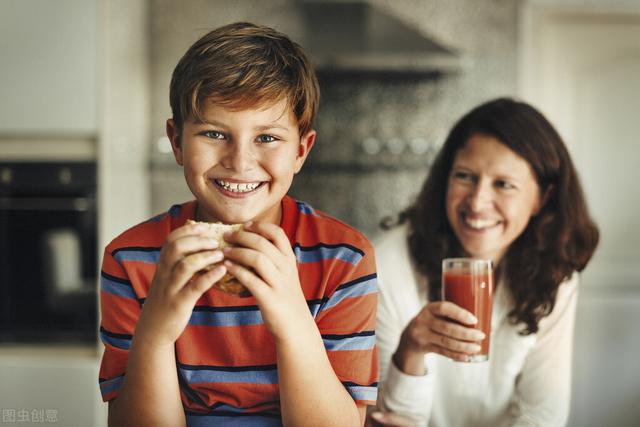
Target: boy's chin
x,y
272,215
233,217
234,214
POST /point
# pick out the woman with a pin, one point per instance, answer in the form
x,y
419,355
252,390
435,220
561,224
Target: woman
x,y
503,187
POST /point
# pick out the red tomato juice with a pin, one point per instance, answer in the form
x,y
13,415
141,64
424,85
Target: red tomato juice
x,y
474,293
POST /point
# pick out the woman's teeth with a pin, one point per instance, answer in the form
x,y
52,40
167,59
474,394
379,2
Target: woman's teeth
x,y
236,187
480,224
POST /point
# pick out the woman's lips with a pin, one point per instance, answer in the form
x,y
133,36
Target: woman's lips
x,y
479,224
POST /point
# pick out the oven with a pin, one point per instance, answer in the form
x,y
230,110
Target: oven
x,y
48,254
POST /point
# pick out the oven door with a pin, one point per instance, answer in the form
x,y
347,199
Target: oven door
x,y
48,266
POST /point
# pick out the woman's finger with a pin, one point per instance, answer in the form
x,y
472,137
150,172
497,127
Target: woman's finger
x,y
453,355
452,311
454,345
391,419
455,330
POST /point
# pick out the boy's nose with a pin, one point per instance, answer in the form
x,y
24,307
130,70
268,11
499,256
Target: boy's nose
x,y
238,157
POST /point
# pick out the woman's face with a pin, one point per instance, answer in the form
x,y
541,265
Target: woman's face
x,y
492,193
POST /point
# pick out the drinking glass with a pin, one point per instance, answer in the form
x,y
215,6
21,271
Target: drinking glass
x,y
468,283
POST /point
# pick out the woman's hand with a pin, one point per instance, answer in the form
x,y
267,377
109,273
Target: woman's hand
x,y
263,261
174,289
377,418
437,328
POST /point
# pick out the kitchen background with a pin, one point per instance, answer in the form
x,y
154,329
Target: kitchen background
x,y
84,84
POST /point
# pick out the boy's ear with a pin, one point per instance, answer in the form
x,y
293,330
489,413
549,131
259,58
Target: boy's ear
x,y
306,143
173,133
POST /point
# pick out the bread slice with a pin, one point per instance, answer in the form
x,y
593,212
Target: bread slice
x,y
216,230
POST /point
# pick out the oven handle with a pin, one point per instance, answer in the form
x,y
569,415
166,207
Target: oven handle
x,y
77,204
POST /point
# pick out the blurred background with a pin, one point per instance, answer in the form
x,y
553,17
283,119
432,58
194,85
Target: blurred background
x,y
84,99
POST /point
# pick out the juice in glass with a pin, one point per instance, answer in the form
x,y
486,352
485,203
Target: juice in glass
x,y
468,283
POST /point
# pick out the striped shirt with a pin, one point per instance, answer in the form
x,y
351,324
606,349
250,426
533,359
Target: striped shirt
x,y
226,358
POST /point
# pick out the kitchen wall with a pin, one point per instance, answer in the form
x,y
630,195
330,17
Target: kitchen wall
x,y
408,117
403,119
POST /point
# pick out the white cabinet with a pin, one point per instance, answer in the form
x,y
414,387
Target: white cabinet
x,y
49,67
50,386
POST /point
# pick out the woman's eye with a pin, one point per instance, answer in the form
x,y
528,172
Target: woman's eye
x,y
265,138
462,176
213,134
505,185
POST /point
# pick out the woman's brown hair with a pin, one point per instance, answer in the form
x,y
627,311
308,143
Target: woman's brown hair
x,y
559,240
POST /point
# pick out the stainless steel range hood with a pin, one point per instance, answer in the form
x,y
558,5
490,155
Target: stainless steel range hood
x,y
355,37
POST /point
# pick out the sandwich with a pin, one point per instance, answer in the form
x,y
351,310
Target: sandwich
x,y
228,284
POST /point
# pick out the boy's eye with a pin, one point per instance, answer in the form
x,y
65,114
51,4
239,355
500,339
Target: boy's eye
x,y
213,134
265,138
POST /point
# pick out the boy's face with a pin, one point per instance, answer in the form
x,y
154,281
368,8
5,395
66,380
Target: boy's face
x,y
240,163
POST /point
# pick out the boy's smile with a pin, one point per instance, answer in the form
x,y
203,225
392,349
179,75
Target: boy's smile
x,y
239,163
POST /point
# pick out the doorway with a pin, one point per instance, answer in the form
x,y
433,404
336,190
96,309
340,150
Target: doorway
x,y
581,67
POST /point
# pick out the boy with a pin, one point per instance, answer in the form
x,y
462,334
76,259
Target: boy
x,y
300,350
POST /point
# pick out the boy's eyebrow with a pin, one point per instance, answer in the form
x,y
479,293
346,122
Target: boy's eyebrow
x,y
271,126
257,128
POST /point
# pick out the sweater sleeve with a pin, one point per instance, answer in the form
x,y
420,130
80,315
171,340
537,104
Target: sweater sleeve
x,y
399,302
542,394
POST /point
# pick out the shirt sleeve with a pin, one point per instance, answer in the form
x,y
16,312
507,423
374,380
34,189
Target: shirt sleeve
x,y
120,309
346,321
543,389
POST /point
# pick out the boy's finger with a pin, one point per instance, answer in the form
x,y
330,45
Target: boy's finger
x,y
263,266
186,245
252,240
184,269
203,282
273,233
248,278
186,230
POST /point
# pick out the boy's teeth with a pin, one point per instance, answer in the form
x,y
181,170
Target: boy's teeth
x,y
238,187
480,223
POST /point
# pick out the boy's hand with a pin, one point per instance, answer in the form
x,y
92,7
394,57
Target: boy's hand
x,y
264,262
174,290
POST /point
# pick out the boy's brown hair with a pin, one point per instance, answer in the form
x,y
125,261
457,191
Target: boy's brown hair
x,y
243,65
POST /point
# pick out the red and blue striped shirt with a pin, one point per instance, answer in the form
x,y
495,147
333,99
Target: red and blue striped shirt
x,y
226,357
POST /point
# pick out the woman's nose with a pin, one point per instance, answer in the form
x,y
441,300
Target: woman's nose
x,y
479,197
